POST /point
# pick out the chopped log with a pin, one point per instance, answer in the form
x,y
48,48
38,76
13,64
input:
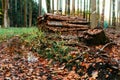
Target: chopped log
x,y
79,22
59,29
94,37
49,16
64,24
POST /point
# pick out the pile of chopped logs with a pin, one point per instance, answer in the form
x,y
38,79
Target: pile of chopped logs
x,y
59,23
72,26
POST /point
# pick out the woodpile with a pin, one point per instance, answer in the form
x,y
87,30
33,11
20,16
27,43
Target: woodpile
x,y
59,23
74,26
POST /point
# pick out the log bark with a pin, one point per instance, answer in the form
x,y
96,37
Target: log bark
x,y
59,29
49,16
65,24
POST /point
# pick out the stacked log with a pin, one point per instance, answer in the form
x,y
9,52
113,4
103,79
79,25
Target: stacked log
x,y
59,23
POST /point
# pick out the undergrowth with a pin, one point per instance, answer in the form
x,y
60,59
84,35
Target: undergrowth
x,y
37,40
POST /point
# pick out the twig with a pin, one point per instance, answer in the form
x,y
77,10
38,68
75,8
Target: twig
x,y
100,50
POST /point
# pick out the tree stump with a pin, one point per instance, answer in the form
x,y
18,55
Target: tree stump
x,y
94,37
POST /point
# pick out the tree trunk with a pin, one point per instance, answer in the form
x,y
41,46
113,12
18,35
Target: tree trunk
x,y
5,12
68,7
98,13
73,7
84,9
93,14
25,13
61,7
48,2
102,16
78,8
30,13
113,14
110,14
40,7
53,6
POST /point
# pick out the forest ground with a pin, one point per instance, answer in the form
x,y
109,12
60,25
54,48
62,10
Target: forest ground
x,y
33,55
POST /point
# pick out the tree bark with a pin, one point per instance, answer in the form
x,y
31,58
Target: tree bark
x,y
40,7
53,6
73,7
5,12
68,7
113,13
93,14
30,13
48,2
110,14
102,16
25,13
62,18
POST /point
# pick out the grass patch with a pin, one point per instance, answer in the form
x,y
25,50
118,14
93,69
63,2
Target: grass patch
x,y
26,33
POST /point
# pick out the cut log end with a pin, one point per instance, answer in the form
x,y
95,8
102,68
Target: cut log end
x,y
94,37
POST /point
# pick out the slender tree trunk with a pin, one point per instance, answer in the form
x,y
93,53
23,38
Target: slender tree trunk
x,y
89,9
53,6
78,9
81,7
102,16
84,9
48,2
98,13
40,7
110,14
93,14
5,12
113,13
25,13
73,7
118,13
58,5
61,7
21,13
30,13
68,7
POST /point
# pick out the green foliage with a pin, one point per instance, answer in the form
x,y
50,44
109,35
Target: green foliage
x,y
50,49
38,42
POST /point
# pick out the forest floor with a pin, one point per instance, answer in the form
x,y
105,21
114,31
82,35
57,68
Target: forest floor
x,y
44,58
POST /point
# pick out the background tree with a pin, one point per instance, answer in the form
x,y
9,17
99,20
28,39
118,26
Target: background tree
x,y
40,7
48,2
93,14
53,6
110,13
5,13
84,9
78,7
68,7
25,13
73,7
1,13
113,13
102,16
30,12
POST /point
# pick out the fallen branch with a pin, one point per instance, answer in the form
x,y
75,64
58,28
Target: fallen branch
x,y
106,45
